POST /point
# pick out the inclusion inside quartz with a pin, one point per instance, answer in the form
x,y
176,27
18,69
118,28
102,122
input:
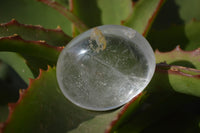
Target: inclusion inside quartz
x,y
105,78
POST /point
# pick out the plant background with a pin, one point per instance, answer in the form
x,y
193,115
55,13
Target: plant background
x,y
170,103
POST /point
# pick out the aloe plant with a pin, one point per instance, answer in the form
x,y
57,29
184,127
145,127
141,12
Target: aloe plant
x,y
30,99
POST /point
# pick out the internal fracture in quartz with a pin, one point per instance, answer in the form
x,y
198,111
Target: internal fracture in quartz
x,y
104,68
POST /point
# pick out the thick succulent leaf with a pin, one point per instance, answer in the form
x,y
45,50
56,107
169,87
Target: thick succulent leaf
x,y
18,63
38,54
29,32
182,79
33,48
33,12
180,57
10,83
43,108
65,12
185,35
167,81
43,98
99,12
159,99
143,15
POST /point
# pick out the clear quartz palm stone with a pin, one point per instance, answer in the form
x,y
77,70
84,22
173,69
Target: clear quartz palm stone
x,y
105,67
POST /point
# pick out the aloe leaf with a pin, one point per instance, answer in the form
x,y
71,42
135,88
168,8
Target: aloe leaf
x,y
74,119
179,57
182,79
158,100
29,32
43,108
33,12
65,12
33,48
99,12
163,97
45,88
10,83
143,14
185,35
38,54
18,63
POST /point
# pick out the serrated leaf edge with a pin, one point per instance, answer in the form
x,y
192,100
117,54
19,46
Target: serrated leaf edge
x,y
168,69
195,52
120,114
22,94
39,27
40,42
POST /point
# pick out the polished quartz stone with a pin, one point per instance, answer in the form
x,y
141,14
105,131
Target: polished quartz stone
x,y
105,67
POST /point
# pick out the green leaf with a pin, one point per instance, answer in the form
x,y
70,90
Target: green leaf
x,y
187,36
65,12
143,15
179,57
182,79
18,63
29,32
43,108
171,88
9,90
33,48
74,119
99,12
38,54
33,12
159,100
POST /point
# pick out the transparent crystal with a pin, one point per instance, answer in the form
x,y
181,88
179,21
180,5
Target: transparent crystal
x,y
105,67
